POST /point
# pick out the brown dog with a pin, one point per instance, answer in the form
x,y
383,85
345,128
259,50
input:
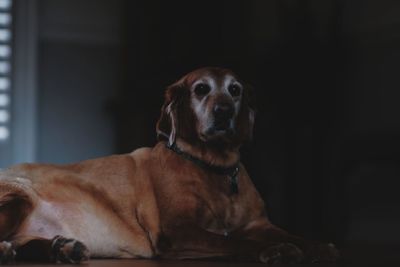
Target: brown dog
x,y
187,197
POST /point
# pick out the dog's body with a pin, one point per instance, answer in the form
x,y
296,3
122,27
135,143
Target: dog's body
x,y
164,201
117,205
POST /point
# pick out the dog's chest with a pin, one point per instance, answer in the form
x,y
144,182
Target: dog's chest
x,y
217,208
207,196
222,214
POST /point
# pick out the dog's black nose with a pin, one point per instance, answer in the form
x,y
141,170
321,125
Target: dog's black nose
x,y
223,112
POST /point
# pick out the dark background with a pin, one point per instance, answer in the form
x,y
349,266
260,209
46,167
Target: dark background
x,y
325,155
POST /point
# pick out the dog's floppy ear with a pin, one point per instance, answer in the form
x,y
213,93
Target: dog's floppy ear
x,y
167,124
246,115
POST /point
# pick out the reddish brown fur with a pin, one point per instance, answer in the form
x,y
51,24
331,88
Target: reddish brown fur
x,y
152,202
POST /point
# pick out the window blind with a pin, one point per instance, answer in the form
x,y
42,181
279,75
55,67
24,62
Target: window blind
x,y
5,68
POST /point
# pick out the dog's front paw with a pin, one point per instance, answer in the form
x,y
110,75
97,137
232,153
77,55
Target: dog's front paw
x,y
322,253
281,253
67,250
7,252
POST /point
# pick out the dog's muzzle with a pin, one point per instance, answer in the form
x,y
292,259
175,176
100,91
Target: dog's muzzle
x,y
222,125
223,114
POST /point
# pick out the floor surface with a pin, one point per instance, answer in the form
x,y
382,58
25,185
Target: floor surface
x,y
357,256
153,263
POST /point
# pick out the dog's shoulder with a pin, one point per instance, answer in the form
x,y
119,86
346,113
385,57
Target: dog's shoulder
x,y
141,154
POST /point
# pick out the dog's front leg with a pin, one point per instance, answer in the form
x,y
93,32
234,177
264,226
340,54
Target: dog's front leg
x,y
262,230
189,241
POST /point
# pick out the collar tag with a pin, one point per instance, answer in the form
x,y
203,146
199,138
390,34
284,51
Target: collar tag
x,y
234,181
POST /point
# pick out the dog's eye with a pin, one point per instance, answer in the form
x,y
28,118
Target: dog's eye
x,y
202,89
234,90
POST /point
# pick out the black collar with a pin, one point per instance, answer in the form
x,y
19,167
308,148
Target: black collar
x,y
231,171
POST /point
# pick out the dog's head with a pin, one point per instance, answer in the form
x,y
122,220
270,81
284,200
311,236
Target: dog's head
x,y
208,105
